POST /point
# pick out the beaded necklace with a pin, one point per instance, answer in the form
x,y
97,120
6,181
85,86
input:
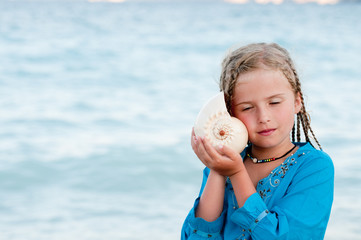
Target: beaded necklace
x,y
255,160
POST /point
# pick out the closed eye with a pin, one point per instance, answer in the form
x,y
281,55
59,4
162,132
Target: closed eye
x,y
275,103
246,109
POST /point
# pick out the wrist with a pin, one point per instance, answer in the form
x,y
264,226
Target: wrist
x,y
237,173
239,170
243,186
217,175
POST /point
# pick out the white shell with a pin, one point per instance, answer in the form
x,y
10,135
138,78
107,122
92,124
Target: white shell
x,y
216,124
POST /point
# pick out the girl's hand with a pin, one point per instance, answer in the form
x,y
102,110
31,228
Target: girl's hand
x,y
222,159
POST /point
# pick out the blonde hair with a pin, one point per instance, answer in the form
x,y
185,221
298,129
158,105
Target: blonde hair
x,y
260,55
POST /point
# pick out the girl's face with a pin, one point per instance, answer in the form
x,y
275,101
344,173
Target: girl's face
x,y
265,102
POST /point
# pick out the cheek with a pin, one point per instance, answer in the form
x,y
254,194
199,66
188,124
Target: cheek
x,y
286,117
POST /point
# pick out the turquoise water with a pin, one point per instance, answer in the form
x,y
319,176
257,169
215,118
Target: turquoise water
x,y
98,100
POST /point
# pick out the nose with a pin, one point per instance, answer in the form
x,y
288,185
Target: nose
x,y
263,115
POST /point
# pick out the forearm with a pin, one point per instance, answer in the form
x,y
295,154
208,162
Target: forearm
x,y
211,202
243,186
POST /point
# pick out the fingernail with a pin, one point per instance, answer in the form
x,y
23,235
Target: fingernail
x,y
220,146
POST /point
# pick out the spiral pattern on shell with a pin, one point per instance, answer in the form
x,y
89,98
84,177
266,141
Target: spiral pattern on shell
x,y
219,129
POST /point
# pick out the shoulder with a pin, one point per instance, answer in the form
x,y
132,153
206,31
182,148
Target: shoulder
x,y
314,171
314,160
311,155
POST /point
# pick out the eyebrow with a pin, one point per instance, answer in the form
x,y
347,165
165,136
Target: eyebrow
x,y
270,97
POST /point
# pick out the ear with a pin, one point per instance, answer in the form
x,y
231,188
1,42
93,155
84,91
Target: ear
x,y
298,103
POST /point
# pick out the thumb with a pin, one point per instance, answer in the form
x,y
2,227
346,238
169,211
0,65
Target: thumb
x,y
227,151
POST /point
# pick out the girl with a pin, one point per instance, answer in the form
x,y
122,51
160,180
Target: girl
x,y
277,188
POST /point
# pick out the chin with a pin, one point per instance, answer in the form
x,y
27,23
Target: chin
x,y
263,144
267,143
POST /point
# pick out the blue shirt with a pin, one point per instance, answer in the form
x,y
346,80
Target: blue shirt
x,y
293,202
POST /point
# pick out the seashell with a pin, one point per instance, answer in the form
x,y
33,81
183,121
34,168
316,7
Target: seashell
x,y
216,124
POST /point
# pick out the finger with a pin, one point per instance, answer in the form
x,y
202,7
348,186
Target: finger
x,y
220,162
230,153
202,153
211,151
192,135
193,142
197,149
193,139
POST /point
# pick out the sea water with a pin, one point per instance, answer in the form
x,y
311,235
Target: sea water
x,y
97,102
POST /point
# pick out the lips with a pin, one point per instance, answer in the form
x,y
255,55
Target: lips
x,y
267,132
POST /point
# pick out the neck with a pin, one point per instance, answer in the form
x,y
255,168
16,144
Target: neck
x,y
268,152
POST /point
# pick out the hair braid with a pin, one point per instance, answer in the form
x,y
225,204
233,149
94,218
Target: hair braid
x,y
232,66
298,128
303,115
314,137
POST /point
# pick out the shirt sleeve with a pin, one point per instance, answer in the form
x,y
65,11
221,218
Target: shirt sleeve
x,y
198,228
302,213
